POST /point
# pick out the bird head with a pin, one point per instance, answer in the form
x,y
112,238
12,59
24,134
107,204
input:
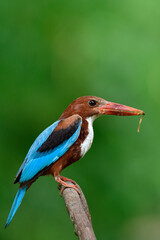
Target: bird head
x,y
88,106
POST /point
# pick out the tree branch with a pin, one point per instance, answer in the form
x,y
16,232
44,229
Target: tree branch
x,y
78,211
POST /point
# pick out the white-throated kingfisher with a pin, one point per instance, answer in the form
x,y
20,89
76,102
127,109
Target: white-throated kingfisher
x,y
64,142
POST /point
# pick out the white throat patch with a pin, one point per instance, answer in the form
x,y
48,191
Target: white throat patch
x,y
85,146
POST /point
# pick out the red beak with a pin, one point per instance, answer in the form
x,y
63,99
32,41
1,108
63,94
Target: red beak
x,y
111,108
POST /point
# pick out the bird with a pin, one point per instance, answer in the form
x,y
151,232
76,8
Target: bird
x,y
64,142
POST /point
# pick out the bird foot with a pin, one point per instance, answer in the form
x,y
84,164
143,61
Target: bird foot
x,y
63,184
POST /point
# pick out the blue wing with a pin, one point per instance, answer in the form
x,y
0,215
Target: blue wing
x,y
36,161
37,143
49,146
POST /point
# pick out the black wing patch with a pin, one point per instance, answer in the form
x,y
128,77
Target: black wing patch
x,y
57,137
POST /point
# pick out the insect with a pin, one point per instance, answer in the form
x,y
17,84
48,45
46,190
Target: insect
x,y
140,121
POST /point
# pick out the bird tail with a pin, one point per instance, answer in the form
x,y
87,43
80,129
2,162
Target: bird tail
x,y
17,201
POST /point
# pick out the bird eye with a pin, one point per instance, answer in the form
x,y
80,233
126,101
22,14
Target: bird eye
x,y
92,103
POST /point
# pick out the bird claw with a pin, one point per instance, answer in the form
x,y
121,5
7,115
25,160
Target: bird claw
x,y
63,184
68,180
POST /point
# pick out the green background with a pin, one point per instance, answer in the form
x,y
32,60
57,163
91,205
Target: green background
x,y
52,52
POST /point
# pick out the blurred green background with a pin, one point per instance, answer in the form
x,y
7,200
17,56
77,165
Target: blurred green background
x,y
52,52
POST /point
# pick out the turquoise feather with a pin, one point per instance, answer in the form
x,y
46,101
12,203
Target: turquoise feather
x,y
17,201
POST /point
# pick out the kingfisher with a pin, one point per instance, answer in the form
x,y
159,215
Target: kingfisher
x,y
63,143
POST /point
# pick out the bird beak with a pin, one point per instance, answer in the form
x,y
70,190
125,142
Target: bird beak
x,y
111,108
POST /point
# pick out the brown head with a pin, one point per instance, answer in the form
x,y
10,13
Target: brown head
x,y
88,106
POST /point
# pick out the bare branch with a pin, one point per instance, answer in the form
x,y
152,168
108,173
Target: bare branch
x,y
78,211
